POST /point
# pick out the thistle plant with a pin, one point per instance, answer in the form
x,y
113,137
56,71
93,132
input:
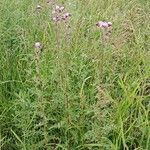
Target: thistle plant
x,y
106,31
57,99
39,91
106,28
38,47
61,19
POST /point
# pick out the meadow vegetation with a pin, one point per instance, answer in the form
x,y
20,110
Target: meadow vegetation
x,y
72,90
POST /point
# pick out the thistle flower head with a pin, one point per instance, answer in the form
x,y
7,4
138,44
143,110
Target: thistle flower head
x,y
38,7
58,15
56,18
59,8
66,16
53,12
103,24
38,45
109,24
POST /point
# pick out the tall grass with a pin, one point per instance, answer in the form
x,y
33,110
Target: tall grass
x,y
75,94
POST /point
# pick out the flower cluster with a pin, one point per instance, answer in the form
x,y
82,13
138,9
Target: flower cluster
x,y
59,15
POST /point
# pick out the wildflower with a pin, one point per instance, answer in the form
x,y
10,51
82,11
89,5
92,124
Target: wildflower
x,y
56,19
38,7
38,45
59,8
109,24
53,12
103,24
106,30
66,16
57,13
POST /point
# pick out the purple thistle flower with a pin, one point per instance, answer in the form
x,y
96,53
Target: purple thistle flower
x,y
38,45
103,24
59,9
66,16
106,30
56,19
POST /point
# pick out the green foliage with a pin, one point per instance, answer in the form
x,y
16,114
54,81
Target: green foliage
x,y
75,94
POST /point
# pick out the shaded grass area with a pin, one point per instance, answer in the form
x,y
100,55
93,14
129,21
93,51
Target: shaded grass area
x,y
79,95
